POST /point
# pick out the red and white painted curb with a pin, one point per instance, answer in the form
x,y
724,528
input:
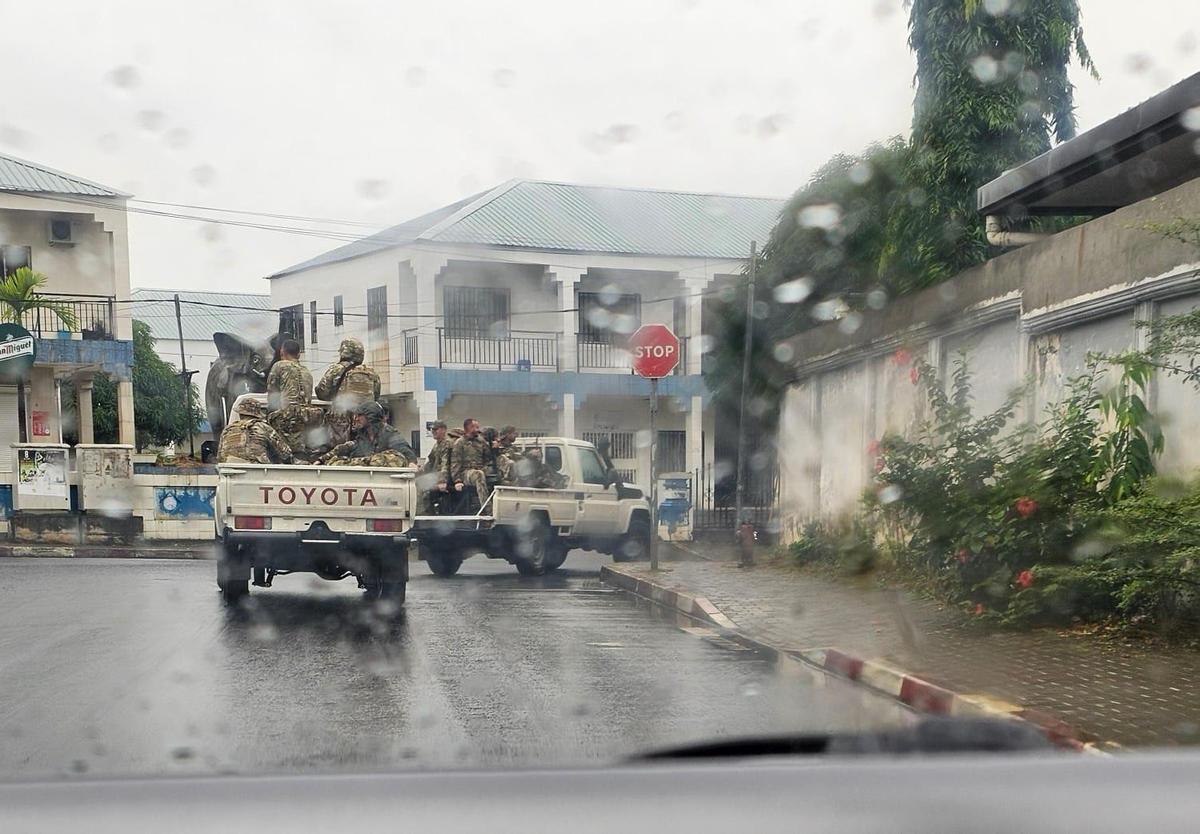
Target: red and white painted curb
x,y
920,695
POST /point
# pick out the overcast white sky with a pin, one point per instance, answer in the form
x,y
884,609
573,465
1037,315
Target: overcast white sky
x,y
378,111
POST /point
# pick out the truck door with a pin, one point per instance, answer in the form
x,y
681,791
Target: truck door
x,y
598,507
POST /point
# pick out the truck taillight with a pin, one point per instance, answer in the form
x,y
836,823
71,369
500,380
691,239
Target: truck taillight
x,y
251,522
385,525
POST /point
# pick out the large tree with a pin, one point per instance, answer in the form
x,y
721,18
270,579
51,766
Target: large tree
x,y
992,90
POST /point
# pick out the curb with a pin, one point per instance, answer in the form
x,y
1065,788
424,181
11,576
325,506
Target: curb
x,y
916,693
201,551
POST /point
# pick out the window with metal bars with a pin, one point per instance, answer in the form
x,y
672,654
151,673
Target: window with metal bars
x,y
596,316
338,311
312,322
13,258
291,323
621,444
671,452
475,312
377,321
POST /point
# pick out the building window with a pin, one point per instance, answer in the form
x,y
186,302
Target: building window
x,y
605,319
475,312
291,323
338,315
13,258
671,452
312,322
591,469
377,322
621,445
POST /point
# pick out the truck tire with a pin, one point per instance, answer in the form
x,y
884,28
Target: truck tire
x,y
233,573
443,563
386,592
635,545
386,581
532,546
556,554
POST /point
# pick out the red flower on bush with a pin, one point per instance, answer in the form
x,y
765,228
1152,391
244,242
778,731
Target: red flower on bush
x,y
914,375
1026,507
901,356
979,609
1024,579
874,448
963,555
879,464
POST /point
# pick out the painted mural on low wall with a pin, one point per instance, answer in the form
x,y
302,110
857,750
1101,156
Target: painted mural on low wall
x,y
182,503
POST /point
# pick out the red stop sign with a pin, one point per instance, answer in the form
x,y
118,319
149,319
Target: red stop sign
x,y
654,351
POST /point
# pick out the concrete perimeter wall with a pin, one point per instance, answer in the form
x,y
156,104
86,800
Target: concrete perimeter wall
x,y
1032,313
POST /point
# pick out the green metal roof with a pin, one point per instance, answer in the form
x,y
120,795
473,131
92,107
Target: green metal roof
x,y
560,217
247,314
20,175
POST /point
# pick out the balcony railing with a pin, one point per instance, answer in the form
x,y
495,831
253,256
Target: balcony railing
x,y
517,351
93,317
525,350
603,355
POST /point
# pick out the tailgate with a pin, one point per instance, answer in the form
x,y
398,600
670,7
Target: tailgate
x,y
343,497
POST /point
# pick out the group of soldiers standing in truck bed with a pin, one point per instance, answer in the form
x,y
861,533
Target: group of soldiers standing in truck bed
x,y
354,431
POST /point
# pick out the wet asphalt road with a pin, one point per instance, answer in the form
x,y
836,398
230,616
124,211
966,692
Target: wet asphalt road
x,y
124,667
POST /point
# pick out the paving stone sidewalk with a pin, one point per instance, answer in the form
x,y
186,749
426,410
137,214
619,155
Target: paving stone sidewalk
x,y
1108,690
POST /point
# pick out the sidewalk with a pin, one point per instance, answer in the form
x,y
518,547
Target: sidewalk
x,y
1106,689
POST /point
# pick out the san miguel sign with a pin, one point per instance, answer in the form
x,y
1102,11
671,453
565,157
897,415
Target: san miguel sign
x,y
17,352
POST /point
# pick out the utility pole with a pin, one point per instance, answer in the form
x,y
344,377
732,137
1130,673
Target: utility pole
x,y
186,379
653,475
739,522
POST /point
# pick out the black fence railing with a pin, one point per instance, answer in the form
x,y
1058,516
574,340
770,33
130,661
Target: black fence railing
x,y
517,351
600,354
411,351
714,499
92,314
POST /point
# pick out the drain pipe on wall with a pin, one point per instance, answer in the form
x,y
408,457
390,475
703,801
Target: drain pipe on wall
x,y
997,235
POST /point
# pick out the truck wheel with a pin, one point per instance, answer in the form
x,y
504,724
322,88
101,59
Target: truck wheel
x,y
532,547
635,545
442,563
233,574
386,592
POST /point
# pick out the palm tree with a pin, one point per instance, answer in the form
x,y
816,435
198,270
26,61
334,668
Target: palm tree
x,y
19,296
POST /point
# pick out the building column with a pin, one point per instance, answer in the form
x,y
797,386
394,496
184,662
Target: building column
x,y
125,427
427,268
568,300
566,416
694,453
45,422
694,330
83,408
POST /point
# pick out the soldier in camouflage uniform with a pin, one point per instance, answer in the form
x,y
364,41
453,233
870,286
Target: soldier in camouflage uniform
x,y
507,454
468,461
347,384
289,395
374,443
251,439
432,480
531,471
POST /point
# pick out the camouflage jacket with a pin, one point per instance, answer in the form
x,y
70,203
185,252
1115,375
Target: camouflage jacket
x,y
288,383
252,440
387,439
348,384
439,458
468,453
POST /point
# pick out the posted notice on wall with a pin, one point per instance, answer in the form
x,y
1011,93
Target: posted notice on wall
x,y
42,473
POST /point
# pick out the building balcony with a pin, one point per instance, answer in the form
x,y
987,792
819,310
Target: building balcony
x,y
93,316
532,351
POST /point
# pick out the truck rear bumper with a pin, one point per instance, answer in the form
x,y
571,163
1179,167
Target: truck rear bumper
x,y
356,542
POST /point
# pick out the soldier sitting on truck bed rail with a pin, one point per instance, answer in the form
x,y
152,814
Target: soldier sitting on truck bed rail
x,y
432,480
506,454
374,442
289,399
251,439
468,461
531,471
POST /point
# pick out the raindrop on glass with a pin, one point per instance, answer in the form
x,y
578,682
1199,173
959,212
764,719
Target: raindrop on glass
x,y
820,216
985,68
373,189
794,291
784,352
151,120
204,175
504,78
125,77
414,76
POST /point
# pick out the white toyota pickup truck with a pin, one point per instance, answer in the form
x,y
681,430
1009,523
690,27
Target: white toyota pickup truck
x,y
341,521
532,528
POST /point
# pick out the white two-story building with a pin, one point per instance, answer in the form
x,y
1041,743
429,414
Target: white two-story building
x,y
513,306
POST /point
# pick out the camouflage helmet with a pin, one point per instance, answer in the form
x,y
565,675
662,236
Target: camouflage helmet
x,y
252,408
372,410
351,350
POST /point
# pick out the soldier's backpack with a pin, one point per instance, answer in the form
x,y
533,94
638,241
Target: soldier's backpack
x,y
358,384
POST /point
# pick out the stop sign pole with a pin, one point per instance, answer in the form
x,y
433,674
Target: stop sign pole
x,y
655,352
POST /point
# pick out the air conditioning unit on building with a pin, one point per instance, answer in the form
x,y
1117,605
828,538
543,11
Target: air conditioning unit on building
x,y
61,232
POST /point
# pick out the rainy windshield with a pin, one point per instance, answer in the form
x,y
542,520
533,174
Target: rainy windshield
x,y
418,386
